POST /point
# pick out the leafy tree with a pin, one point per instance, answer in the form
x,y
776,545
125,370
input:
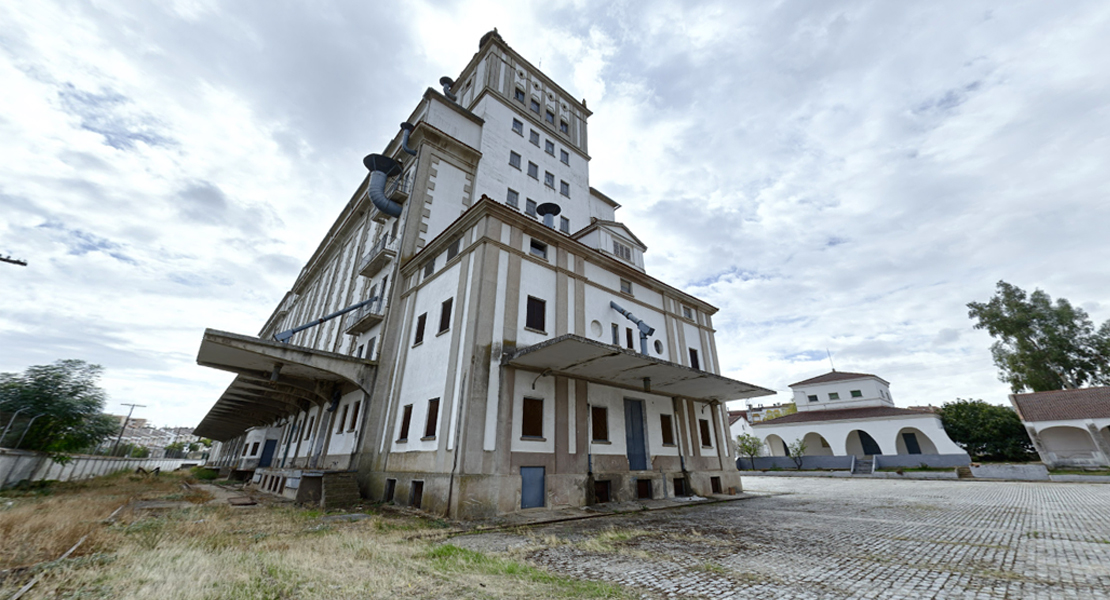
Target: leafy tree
x,y
750,446
986,431
796,450
69,401
1040,345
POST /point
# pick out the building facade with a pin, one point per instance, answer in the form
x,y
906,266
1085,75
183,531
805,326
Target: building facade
x,y
1069,428
510,352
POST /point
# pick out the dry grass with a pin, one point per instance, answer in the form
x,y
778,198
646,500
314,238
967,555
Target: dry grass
x,y
215,551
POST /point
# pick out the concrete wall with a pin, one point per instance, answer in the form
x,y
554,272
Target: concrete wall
x,y
783,462
922,460
19,465
1018,472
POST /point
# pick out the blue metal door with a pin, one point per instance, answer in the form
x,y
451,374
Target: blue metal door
x,y
870,446
267,453
634,434
912,447
532,489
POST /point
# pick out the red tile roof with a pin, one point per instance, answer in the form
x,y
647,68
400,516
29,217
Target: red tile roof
x,y
736,415
1063,405
837,376
843,414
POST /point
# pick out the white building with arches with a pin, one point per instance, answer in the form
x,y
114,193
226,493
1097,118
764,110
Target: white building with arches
x,y
1069,428
853,414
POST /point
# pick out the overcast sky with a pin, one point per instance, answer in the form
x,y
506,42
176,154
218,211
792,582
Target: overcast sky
x,y
831,175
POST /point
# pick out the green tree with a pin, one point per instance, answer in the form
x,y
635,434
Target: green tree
x,y
1040,345
750,446
67,402
986,431
796,450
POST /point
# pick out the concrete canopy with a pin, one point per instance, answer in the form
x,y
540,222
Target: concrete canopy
x,y
580,358
274,380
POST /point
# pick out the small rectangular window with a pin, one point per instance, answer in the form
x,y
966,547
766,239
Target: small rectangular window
x,y
420,322
514,160
518,127
519,95
406,420
513,198
453,249
531,422
706,440
429,268
550,117
622,251
358,354
628,338
549,179
694,359
564,127
533,170
354,415
834,396
246,449
530,207
812,398
370,348
445,315
254,449
343,419
626,286
549,147
534,137
535,106
616,335
564,156
857,394
308,430
536,317
564,224
668,429
688,312
433,417
564,188
599,418
538,248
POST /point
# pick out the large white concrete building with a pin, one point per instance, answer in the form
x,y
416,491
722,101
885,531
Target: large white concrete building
x,y
501,362
853,414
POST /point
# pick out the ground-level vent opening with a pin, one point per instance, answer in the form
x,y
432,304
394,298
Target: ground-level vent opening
x,y
715,484
603,491
390,488
680,487
643,489
416,497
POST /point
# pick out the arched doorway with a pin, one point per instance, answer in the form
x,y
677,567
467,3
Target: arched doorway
x,y
817,445
860,443
911,440
775,446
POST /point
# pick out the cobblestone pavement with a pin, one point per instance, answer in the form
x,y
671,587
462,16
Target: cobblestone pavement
x,y
830,538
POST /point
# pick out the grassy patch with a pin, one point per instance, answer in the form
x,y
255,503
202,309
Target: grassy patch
x,y
454,560
901,470
1102,472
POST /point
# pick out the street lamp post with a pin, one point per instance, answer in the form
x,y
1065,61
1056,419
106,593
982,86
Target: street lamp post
x,y
125,422
29,424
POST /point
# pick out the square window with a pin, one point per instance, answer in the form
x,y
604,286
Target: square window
x,y
518,127
834,396
549,117
445,315
564,188
549,179
421,321
564,127
531,422
453,249
857,394
514,159
513,198
534,137
694,359
622,251
688,312
667,426
429,268
432,419
549,147
812,398
536,317
530,207
406,420
599,421
519,95
564,156
535,106
538,248
706,439
564,224
626,286
533,170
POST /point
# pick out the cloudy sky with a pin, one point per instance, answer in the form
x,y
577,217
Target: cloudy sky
x,y
833,175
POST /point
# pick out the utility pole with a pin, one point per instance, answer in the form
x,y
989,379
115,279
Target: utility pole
x,y
125,422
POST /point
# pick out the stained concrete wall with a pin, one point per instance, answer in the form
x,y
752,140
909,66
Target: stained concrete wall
x,y
20,465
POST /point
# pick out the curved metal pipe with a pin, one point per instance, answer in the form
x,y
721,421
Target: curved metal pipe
x,y
381,168
407,128
645,329
447,84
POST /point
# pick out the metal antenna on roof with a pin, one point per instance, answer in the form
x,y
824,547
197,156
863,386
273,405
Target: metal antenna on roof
x,y
830,360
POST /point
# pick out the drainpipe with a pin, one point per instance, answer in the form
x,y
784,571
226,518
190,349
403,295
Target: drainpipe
x,y
382,168
447,84
645,329
407,129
